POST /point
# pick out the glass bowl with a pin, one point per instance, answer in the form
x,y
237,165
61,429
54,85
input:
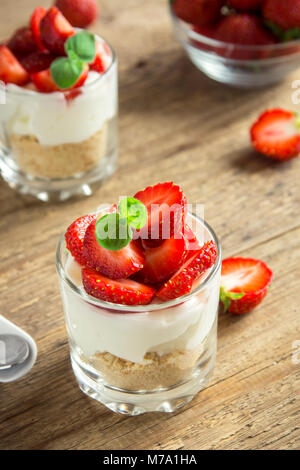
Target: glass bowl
x,y
237,65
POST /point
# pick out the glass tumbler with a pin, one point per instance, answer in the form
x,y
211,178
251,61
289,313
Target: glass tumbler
x,y
57,145
137,359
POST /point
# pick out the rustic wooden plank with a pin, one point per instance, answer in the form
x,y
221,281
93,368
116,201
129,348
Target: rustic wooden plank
x,y
176,125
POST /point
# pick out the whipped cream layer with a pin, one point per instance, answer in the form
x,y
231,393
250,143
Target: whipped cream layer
x,y
52,119
131,336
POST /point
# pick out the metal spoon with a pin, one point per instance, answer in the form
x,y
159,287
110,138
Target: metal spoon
x,y
14,350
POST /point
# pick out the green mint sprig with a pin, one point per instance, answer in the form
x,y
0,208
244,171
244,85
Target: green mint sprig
x,y
114,231
227,296
81,50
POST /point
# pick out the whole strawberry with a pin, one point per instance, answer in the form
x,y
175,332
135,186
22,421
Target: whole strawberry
x,y
198,12
245,4
284,13
243,29
276,134
80,13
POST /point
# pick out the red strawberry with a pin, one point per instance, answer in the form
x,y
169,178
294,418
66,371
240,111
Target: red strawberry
x,y
182,282
124,291
45,83
37,61
243,29
245,4
285,14
198,12
11,71
74,238
244,283
192,243
99,64
55,30
79,13
163,261
22,42
35,21
276,134
113,264
166,206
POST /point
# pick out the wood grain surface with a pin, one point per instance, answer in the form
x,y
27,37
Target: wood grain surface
x,y
175,124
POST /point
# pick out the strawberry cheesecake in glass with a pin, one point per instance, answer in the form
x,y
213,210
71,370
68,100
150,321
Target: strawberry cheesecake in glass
x,y
58,121
141,306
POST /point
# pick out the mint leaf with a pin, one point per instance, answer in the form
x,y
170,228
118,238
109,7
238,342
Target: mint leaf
x,y
65,72
81,46
112,232
134,211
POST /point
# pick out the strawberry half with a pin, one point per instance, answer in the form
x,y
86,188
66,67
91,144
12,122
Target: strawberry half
x,y
55,30
192,243
22,42
44,82
74,238
37,61
35,22
276,134
244,283
182,282
163,261
166,206
11,71
124,291
113,264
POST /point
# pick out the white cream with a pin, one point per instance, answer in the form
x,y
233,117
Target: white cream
x,y
54,120
131,336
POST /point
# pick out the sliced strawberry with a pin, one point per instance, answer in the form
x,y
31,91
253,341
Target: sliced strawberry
x,y
37,61
11,71
99,64
182,282
113,264
124,291
74,238
163,261
192,243
35,22
244,283
55,30
45,83
276,134
166,206
22,42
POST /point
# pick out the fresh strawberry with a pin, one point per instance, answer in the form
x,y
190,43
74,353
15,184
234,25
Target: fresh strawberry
x,y
11,71
182,282
245,4
192,243
74,238
79,13
243,29
198,12
166,206
244,283
99,63
37,61
124,291
55,30
285,14
22,42
113,264
276,134
35,22
45,83
163,261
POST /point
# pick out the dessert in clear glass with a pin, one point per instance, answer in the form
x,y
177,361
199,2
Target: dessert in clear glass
x,y
142,320
57,138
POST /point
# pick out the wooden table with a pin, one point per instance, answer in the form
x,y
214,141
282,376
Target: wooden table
x,y
175,124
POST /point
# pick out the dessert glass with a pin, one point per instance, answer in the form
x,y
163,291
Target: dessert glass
x,y
137,359
57,145
237,65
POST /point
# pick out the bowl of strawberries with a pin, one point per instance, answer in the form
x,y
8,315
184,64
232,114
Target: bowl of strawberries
x,y
244,43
